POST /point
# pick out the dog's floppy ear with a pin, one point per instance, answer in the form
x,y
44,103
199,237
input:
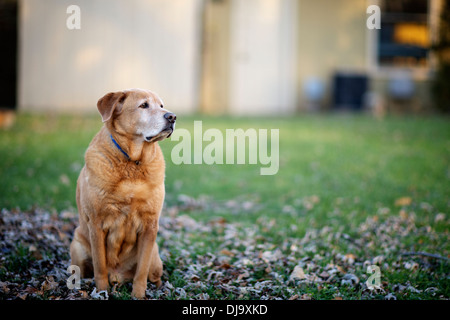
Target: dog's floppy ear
x,y
110,103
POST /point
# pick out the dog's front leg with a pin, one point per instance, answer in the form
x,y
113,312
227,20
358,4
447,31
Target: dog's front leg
x,y
145,244
98,250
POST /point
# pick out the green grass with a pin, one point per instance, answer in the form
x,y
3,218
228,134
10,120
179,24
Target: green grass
x,y
20,261
355,165
351,163
335,171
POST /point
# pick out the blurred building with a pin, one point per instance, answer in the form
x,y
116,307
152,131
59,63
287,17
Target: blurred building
x,y
227,56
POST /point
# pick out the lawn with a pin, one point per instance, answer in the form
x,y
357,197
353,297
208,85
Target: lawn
x,y
351,192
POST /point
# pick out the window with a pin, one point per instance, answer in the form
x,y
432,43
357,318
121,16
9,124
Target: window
x,y
404,38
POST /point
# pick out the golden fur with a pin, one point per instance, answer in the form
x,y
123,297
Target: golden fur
x,y
119,199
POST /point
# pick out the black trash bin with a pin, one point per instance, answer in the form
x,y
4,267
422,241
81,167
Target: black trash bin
x,y
349,90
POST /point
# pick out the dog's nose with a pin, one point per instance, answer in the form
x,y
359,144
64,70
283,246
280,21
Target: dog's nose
x,y
171,117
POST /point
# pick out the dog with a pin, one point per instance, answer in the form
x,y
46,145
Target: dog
x,y
120,192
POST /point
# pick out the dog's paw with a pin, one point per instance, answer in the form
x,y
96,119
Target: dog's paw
x,y
138,291
116,278
102,284
157,283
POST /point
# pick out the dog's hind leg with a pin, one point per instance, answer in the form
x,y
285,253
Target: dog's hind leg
x,y
156,267
80,256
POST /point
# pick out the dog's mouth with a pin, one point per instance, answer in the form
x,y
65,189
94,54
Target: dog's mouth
x,y
164,134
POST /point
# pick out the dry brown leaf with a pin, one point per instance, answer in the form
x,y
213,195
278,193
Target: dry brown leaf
x,y
64,179
22,296
403,214
306,296
227,252
439,217
403,201
35,253
4,287
350,258
225,266
245,274
297,273
49,284
31,290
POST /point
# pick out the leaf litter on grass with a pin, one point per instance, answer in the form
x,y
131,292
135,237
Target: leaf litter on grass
x,y
222,260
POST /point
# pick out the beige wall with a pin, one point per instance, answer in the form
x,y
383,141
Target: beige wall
x,y
219,56
259,53
215,80
263,56
332,36
121,44
250,57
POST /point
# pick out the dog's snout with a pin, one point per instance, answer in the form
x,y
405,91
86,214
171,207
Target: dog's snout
x,y
171,117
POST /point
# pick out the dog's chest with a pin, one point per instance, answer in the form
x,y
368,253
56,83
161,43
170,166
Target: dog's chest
x,y
132,190
133,206
141,193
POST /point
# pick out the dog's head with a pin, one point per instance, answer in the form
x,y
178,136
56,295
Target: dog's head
x,y
138,113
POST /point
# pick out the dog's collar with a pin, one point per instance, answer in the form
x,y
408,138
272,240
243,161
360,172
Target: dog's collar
x,y
121,150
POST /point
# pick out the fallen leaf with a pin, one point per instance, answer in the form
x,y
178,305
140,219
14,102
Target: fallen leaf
x,y
194,278
349,279
31,290
22,296
227,252
403,201
64,179
410,288
306,296
432,290
49,284
62,235
4,287
411,265
439,217
390,296
297,273
350,258
245,274
102,295
225,266
403,214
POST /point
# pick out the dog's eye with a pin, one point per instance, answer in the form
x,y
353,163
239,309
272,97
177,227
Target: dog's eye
x,y
144,105
161,106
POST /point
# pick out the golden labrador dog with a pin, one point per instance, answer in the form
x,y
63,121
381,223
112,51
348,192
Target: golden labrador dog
x,y
120,192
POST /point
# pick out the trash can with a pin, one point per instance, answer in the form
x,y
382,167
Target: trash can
x,y
349,90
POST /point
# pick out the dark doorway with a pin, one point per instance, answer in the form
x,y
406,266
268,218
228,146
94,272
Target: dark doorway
x,y
8,54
